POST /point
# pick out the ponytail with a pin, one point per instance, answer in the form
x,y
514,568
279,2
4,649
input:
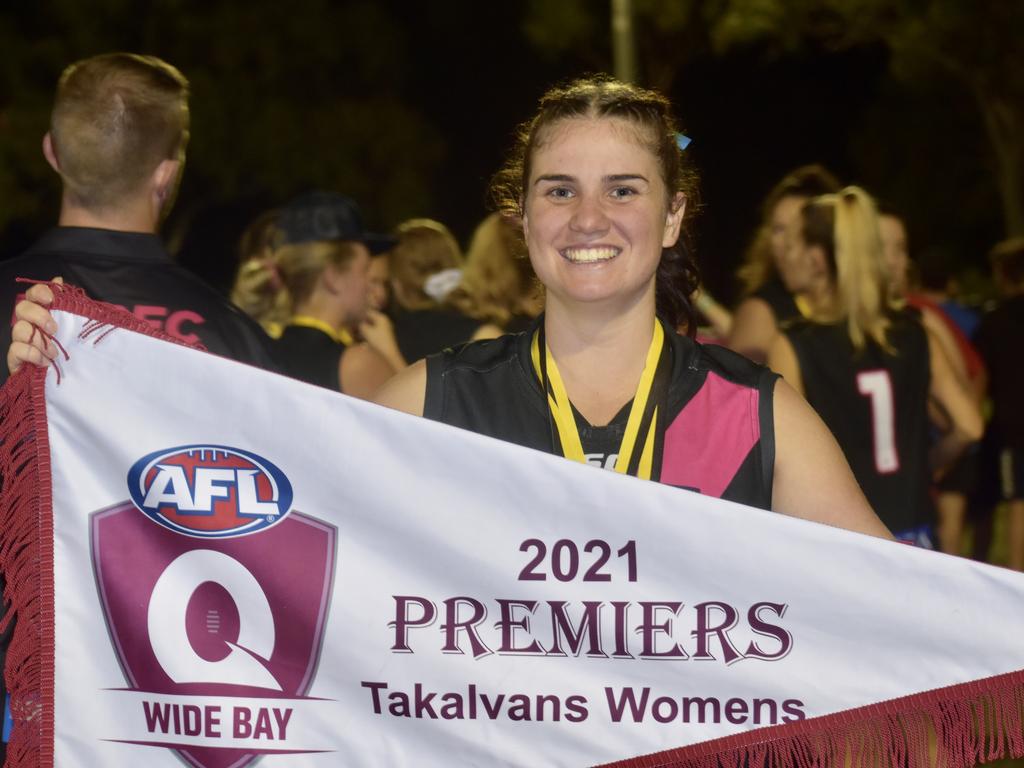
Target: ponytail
x,y
845,225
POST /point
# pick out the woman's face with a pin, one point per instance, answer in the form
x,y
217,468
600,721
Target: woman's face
x,y
377,277
597,213
894,252
785,216
797,265
354,286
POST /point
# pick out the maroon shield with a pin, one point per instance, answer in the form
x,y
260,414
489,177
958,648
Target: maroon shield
x,y
293,565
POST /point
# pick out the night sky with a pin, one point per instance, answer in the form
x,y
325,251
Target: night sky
x,y
439,88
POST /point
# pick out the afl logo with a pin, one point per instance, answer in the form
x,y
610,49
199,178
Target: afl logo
x,y
210,491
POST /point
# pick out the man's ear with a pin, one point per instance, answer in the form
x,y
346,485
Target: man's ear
x,y
50,152
164,183
674,220
165,177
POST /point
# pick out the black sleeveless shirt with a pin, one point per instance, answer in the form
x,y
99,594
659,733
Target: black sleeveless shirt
x,y
875,403
310,355
719,439
423,332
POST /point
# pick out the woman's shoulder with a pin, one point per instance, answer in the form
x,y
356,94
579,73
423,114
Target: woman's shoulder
x,y
702,358
481,355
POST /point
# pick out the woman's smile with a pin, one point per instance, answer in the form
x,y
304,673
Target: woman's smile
x,y
589,254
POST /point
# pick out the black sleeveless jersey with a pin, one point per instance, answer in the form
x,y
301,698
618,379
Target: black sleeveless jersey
x,y
875,403
719,434
309,354
423,332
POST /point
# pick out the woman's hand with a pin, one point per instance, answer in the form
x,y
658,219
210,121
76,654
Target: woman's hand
x,y
32,313
378,331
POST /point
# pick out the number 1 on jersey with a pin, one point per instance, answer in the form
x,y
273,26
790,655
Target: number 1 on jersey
x,y
877,386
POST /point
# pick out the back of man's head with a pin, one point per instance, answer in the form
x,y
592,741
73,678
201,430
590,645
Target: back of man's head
x,y
116,117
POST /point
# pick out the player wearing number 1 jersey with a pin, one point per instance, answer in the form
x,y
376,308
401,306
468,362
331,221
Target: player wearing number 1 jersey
x,y
869,369
874,403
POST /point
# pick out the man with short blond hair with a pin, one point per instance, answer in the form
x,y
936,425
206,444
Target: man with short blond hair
x,y
117,118
117,138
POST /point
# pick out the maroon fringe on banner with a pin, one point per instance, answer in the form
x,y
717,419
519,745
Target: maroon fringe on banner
x,y
955,727
26,532
26,560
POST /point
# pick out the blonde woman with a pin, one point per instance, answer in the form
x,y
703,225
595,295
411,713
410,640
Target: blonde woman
x,y
769,300
868,368
433,310
499,275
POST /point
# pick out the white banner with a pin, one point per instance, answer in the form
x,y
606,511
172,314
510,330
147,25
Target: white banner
x,y
249,567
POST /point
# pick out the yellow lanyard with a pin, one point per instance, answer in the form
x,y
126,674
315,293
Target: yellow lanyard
x,y
340,335
803,305
565,422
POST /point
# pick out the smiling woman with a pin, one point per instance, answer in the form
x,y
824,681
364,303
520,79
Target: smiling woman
x,y
602,190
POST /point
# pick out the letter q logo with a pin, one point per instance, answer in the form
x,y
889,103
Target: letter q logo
x,y
170,620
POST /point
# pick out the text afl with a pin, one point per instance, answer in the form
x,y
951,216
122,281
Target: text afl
x,y
210,491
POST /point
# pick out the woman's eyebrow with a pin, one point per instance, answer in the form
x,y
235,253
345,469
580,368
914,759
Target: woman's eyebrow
x,y
555,177
626,177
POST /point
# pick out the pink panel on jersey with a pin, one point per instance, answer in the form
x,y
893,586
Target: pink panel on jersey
x,y
709,439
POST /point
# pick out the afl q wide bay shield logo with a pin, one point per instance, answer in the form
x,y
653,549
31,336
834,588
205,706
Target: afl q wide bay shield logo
x,y
217,612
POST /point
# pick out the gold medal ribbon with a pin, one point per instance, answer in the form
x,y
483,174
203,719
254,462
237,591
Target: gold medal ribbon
x,y
641,417
339,335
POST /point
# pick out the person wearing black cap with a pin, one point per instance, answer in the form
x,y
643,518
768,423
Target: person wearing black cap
x,y
313,285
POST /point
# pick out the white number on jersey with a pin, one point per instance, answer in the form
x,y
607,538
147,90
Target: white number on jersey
x,y
877,386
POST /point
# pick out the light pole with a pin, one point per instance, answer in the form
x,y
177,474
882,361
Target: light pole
x,y
623,45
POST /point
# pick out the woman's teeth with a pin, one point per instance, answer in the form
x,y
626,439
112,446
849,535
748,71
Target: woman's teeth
x,y
586,255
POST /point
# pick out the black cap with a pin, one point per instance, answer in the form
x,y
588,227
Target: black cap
x,y
317,216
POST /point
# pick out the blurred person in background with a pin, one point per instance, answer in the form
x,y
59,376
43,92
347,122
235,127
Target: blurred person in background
x,y
313,283
954,489
998,340
255,247
117,139
432,308
769,300
869,368
498,274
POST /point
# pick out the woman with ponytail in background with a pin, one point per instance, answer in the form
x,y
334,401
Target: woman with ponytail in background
x,y
868,368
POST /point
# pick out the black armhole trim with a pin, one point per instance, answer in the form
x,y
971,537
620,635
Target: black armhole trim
x,y
766,419
433,399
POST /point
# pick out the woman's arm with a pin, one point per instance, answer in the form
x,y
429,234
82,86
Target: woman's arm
x,y
405,391
362,370
962,417
812,479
